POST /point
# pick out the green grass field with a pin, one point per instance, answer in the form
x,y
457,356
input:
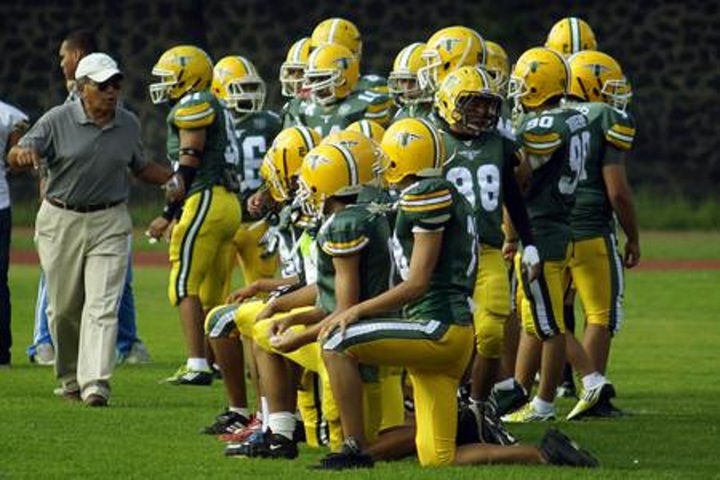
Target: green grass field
x,y
664,365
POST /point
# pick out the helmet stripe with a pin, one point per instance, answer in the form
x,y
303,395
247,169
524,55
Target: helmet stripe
x,y
575,40
286,173
365,128
405,56
407,53
333,29
296,50
306,138
350,161
483,48
466,52
566,67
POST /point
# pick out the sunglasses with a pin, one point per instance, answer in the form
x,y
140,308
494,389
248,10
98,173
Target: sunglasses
x,y
115,83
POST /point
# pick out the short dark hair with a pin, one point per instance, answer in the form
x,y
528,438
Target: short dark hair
x,y
83,40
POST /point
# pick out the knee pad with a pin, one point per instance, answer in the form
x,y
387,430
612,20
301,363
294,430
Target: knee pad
x,y
489,334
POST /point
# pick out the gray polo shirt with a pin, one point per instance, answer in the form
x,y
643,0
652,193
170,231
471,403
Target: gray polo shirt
x,y
87,164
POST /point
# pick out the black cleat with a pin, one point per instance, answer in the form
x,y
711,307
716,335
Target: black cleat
x,y
558,449
467,430
605,409
507,401
590,399
350,457
490,429
227,422
264,445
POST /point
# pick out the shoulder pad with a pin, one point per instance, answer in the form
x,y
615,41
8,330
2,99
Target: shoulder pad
x,y
345,232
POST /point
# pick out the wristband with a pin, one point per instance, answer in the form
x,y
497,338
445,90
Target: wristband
x,y
171,210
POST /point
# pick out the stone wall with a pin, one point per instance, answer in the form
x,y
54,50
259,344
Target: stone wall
x,y
668,49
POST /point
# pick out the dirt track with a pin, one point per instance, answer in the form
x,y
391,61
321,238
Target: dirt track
x,y
159,259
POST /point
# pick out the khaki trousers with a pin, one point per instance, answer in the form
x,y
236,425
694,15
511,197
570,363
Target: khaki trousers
x,y
84,257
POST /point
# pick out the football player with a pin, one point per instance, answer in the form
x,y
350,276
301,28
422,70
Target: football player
x,y
292,76
600,91
497,65
404,85
343,32
202,198
556,143
330,178
237,83
448,49
571,35
481,162
434,341
334,102
225,324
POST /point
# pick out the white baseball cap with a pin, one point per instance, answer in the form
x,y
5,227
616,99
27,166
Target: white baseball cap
x,y
97,66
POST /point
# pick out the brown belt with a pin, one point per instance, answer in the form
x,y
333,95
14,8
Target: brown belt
x,y
82,208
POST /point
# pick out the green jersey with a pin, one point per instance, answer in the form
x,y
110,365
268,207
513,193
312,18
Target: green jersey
x,y
373,195
434,204
505,122
380,200
254,133
376,83
355,230
283,236
327,119
592,214
202,110
291,112
416,110
556,142
475,166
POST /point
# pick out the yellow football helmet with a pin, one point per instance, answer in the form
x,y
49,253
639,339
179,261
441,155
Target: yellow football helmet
x,y
282,161
371,129
412,146
292,71
539,75
182,69
365,150
498,66
332,73
403,82
237,83
340,31
571,35
448,49
467,99
330,170
597,77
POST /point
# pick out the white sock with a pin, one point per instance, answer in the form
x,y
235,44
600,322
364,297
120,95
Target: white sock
x,y
592,380
541,406
506,384
198,365
265,411
241,410
282,423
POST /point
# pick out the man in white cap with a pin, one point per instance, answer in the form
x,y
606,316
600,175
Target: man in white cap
x,y
87,146
130,348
